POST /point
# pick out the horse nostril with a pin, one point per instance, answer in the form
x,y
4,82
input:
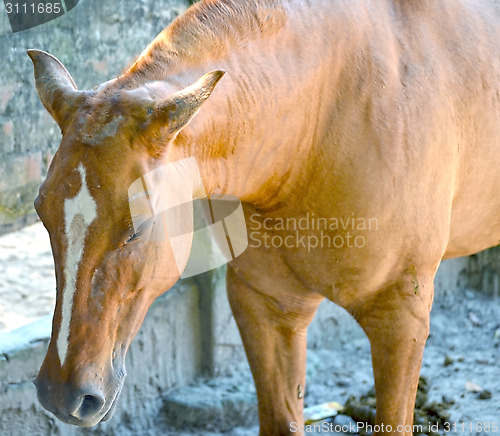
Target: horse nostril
x,y
89,406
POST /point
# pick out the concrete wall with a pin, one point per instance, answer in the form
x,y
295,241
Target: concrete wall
x,y
95,41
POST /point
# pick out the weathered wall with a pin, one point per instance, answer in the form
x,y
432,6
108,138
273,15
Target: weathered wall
x,y
483,271
95,41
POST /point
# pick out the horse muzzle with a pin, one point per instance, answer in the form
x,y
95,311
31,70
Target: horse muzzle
x,y
84,406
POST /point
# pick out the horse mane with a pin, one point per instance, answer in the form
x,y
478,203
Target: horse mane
x,y
207,31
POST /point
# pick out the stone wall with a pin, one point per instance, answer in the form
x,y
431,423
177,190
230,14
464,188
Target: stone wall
x,y
96,41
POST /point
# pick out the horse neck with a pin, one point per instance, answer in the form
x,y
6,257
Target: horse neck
x,y
251,135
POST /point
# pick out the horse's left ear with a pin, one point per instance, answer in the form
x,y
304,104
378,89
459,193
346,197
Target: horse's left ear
x,y
175,112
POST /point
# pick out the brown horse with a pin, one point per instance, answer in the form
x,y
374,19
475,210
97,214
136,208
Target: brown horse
x,y
362,138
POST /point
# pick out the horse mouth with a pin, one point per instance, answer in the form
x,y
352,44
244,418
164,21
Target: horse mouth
x,y
112,408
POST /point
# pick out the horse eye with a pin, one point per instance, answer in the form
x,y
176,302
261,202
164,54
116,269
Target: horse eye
x,y
142,227
134,237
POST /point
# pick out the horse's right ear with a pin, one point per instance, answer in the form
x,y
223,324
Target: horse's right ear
x,y
176,111
55,86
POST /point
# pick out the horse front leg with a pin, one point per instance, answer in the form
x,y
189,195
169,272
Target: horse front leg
x,y
273,327
396,321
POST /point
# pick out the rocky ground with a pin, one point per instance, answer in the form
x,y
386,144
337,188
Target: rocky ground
x,y
461,363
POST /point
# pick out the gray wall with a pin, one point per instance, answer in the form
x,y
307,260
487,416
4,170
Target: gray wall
x,y
95,41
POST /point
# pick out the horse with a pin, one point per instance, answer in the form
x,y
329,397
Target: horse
x,y
329,114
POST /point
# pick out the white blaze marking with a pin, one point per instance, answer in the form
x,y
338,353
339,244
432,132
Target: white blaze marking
x,y
79,212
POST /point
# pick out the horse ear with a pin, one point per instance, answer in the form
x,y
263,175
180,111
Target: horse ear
x,y
55,86
176,112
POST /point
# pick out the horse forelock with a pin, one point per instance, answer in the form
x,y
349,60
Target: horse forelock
x,y
95,131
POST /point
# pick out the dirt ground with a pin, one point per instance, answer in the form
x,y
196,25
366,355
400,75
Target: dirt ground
x,y
461,361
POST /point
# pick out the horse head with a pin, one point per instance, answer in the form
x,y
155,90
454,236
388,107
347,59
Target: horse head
x,y
108,271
